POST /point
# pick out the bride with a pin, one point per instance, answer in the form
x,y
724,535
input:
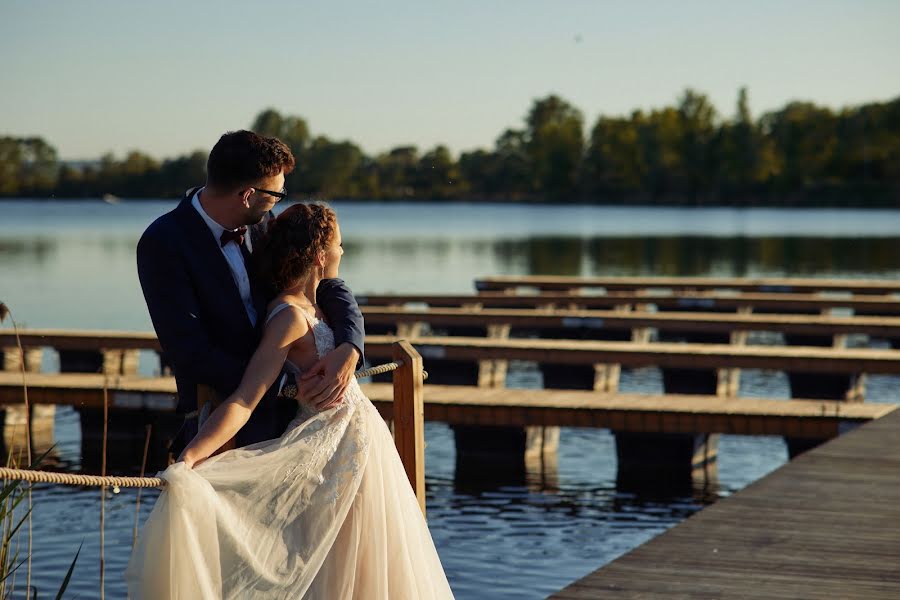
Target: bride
x,y
325,511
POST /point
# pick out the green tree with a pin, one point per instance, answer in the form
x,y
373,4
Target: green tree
x,y
179,174
478,172
397,172
332,169
513,171
437,174
660,138
614,160
697,118
293,131
554,142
868,144
28,166
747,156
10,166
805,139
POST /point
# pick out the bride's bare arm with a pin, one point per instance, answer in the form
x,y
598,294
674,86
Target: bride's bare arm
x,y
228,418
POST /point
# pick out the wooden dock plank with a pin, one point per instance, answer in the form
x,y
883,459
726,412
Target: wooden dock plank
x,y
82,339
499,406
703,322
762,284
676,300
823,526
631,354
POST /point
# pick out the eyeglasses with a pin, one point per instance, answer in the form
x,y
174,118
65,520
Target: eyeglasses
x,y
279,195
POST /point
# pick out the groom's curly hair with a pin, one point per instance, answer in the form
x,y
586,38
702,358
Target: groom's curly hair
x,y
289,248
244,158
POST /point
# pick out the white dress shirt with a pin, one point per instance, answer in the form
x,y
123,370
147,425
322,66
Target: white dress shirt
x,y
233,256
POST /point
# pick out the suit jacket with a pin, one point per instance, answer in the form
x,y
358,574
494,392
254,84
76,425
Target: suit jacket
x,y
202,323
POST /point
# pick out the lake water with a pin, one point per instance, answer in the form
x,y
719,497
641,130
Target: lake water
x,y
71,265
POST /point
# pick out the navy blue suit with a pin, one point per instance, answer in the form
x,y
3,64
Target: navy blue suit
x,y
202,323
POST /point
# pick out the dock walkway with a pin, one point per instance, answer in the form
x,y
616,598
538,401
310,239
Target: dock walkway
x,y
645,413
826,525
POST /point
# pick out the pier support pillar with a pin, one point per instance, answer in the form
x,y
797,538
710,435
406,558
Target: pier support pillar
x,y
820,386
677,460
13,416
126,427
111,361
490,454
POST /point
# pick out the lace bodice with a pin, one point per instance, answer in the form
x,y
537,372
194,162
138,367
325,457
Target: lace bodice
x,y
324,432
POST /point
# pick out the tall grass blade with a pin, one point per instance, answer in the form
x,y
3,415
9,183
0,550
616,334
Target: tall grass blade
x,y
68,577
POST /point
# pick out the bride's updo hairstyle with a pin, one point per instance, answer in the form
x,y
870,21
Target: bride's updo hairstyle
x,y
289,248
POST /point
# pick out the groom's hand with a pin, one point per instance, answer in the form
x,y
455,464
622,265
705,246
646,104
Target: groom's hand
x,y
325,383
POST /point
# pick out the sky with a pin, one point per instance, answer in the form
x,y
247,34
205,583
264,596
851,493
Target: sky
x,y
168,77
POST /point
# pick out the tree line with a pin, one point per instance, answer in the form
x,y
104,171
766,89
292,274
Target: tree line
x,y
688,154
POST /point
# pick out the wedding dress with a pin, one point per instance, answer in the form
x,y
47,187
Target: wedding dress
x,y
324,512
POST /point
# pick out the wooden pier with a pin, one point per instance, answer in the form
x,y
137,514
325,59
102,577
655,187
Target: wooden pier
x,y
877,304
744,284
580,333
826,525
697,356
470,405
703,322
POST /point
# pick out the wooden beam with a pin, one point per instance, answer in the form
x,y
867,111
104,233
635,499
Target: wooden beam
x,y
676,300
696,356
652,413
761,284
695,322
84,339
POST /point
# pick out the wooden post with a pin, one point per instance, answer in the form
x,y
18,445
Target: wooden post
x,y
120,361
857,388
18,427
409,416
492,373
606,375
729,380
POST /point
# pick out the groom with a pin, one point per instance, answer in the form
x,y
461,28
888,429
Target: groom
x,y
196,274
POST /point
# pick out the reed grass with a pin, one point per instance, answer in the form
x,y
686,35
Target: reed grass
x,y
137,507
11,496
103,491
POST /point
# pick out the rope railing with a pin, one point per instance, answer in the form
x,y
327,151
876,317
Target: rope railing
x,y
385,368
378,369
37,476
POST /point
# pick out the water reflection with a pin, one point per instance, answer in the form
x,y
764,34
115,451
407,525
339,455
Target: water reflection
x,y
692,255
27,252
533,527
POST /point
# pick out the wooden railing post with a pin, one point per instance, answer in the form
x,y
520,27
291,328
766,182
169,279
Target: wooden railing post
x,y
409,416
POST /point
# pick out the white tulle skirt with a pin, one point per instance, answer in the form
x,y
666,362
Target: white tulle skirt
x,y
324,512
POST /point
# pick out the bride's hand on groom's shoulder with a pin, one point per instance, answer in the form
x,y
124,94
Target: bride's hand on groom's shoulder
x,y
326,382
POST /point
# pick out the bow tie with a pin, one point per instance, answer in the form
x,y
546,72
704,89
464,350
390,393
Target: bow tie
x,y
236,236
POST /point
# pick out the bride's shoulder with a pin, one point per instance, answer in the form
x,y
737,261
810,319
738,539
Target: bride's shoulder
x,y
287,311
286,323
